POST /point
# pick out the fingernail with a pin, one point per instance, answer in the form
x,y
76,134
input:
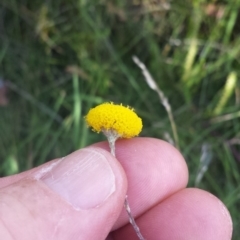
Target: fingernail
x,y
84,179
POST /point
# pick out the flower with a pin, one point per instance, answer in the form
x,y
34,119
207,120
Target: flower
x,y
116,118
116,121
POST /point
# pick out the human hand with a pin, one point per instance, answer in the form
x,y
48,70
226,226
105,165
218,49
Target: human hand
x,y
81,196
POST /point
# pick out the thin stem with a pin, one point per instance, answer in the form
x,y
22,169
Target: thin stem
x,y
153,85
131,219
112,137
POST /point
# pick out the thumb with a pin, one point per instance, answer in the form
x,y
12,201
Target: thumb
x,y
77,197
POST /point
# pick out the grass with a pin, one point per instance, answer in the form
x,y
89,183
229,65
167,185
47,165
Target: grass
x,y
60,58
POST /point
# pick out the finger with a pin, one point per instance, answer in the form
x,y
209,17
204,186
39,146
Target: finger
x,y
187,214
78,197
154,169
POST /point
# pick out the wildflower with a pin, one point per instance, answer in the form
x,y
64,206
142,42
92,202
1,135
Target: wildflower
x,y
117,118
116,121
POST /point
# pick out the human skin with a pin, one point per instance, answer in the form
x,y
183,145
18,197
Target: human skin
x,y
81,197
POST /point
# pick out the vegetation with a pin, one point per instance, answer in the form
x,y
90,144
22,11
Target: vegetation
x,y
60,58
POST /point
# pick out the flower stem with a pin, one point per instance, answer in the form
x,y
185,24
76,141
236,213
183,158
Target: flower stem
x,y
112,137
132,220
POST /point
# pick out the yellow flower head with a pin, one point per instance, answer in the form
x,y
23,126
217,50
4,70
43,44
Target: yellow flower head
x,y
113,117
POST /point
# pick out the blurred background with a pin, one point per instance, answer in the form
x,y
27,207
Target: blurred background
x,y
59,58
